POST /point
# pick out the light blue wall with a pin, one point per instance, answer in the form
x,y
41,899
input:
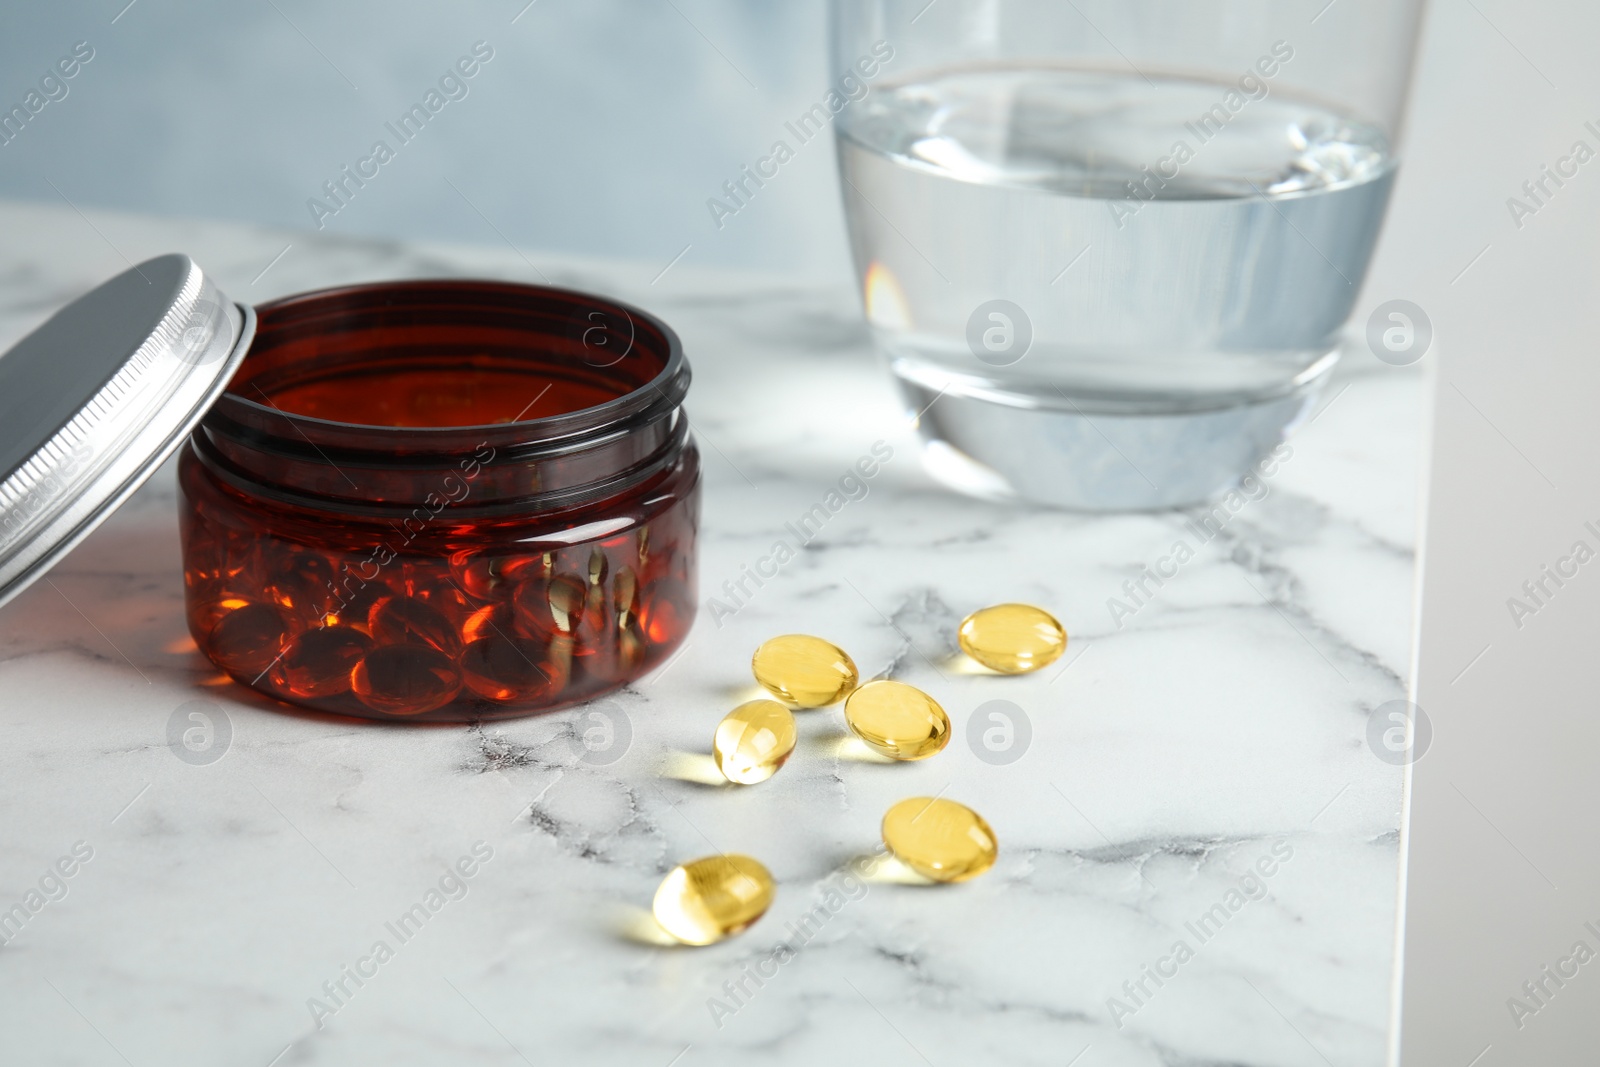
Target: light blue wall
x,y
599,127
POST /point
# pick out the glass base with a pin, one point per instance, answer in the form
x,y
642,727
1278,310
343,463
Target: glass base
x,y
1084,454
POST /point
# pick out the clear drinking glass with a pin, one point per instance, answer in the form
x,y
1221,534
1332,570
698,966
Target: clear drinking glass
x,y
1108,247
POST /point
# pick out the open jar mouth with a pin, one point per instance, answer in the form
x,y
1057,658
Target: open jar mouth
x,y
362,398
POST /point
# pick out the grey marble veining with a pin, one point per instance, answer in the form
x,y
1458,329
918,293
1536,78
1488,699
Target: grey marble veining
x,y
1178,752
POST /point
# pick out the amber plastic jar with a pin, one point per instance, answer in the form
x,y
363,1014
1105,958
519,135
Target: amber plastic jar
x,y
444,501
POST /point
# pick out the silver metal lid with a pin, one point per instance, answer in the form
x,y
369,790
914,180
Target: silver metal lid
x,y
94,400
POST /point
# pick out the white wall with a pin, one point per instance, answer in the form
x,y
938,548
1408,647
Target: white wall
x,y
599,127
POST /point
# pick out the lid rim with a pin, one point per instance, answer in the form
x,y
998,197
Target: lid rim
x,y
83,471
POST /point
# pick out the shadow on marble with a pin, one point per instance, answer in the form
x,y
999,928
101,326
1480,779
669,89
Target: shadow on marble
x,y
881,868
966,666
741,692
698,768
847,746
638,926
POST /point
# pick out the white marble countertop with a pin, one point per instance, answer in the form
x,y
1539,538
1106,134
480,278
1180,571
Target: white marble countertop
x,y
1221,730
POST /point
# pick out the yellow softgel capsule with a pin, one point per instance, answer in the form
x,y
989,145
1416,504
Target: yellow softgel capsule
x,y
940,839
805,671
1013,638
753,741
706,900
898,720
